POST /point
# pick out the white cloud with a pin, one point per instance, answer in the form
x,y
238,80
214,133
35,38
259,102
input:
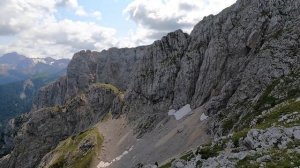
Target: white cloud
x,y
73,4
97,15
16,16
64,37
38,33
19,15
155,18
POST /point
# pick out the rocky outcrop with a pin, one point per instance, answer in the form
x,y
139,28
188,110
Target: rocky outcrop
x,y
51,95
11,131
257,148
76,151
151,92
234,71
46,127
225,65
113,66
272,137
228,59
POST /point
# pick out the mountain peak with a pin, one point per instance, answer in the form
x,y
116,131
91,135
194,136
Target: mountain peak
x,y
14,63
234,82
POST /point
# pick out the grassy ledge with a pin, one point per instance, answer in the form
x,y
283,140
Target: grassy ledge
x,y
273,118
112,88
77,151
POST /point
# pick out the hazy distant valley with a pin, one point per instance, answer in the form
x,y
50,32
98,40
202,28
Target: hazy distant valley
x,y
20,79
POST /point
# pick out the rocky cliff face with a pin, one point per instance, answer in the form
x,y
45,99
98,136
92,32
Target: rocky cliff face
x,y
113,66
224,65
40,131
227,60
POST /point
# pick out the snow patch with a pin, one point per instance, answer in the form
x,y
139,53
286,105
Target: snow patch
x,y
38,60
203,117
185,110
103,164
106,164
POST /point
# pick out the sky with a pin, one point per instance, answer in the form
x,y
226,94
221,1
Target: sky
x,y
59,28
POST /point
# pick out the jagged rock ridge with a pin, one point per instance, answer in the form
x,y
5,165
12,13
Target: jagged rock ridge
x,y
224,65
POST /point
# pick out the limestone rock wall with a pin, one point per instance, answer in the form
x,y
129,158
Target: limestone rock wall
x,y
226,62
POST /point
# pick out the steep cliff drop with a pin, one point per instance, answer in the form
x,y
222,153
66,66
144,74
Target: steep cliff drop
x,y
238,71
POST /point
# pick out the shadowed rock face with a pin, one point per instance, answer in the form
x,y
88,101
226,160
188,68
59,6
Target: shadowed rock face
x,y
227,60
113,66
51,95
43,129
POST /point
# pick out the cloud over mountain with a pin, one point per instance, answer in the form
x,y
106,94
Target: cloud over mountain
x,y
157,17
40,28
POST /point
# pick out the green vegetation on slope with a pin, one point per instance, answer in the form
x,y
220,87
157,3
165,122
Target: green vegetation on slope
x,y
167,165
110,87
187,156
278,106
280,90
291,109
266,100
210,150
77,151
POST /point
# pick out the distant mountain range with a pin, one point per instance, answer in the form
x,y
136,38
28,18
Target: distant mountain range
x,y
15,67
20,79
